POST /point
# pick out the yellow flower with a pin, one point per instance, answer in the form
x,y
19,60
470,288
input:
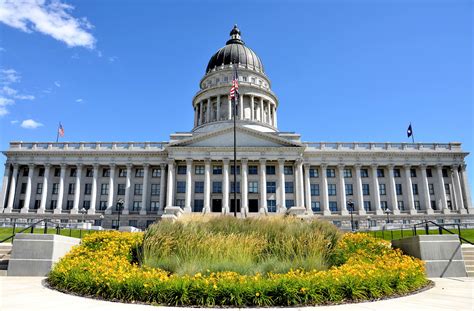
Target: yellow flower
x,y
257,294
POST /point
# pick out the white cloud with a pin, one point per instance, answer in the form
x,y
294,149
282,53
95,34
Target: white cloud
x,y
24,97
12,93
57,83
14,121
112,59
8,76
30,124
50,17
79,100
8,95
99,53
4,102
9,91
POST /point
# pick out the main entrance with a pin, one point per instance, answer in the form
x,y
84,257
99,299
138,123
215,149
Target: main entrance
x,y
216,206
253,206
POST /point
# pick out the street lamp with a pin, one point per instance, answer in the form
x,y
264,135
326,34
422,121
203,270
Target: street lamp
x,y
387,211
120,203
368,222
83,211
350,207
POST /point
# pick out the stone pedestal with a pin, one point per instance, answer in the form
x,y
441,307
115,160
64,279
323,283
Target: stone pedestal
x,y
172,213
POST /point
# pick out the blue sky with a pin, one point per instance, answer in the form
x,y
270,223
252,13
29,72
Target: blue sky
x,y
343,70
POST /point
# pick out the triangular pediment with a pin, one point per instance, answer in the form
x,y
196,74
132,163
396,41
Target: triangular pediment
x,y
245,138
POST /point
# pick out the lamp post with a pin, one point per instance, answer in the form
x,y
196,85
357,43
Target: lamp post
x,y
120,203
368,222
350,207
83,211
387,211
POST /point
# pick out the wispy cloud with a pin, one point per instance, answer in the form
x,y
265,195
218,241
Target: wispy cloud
x,y
50,17
57,83
8,94
79,100
30,124
4,102
8,76
14,121
2,49
112,59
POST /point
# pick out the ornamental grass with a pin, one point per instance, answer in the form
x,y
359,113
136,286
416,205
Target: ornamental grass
x,y
105,265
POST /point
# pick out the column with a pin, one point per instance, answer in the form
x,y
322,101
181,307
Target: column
x,y
281,203
442,201
6,177
324,191
457,190
263,187
425,191
44,194
62,176
77,190
189,173
95,175
207,186
241,107
218,118
341,185
26,205
252,108
244,188
296,193
201,113
275,116
376,190
195,116
409,191
392,190
307,188
300,189
359,194
225,186
128,184
170,184
262,113
229,111
11,194
145,202
466,190
162,186
208,112
110,199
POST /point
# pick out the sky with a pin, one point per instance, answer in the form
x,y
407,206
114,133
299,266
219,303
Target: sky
x,y
343,70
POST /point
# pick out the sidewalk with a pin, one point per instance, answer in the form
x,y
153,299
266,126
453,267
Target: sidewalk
x,y
28,293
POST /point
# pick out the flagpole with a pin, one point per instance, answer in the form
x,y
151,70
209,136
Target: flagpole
x,y
412,134
235,149
57,132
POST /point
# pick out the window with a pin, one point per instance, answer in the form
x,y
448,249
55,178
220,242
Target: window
x,y
417,205
41,172
414,188
73,172
21,203
271,206
89,172
55,188
446,189
270,169
253,186
139,172
288,170
445,172
333,206
396,172
349,189
380,172
450,205
37,204
25,171
199,170
431,189
122,172
136,206
155,189
216,187
198,187
398,188
331,189
198,206
86,204
315,206
106,172
383,205
429,173
39,188
87,188
71,188
401,206
53,204
412,172
365,189
367,206
232,170
382,189
57,172
347,173
180,187
133,223
23,188
69,204
289,203
313,172
154,205
181,170
271,187
330,172
314,189
121,189
102,205
233,188
156,172
289,188
364,172
253,170
217,169
104,189
138,190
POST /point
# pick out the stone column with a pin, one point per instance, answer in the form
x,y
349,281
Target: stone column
x,y
307,188
411,204
195,116
441,191
208,112
110,199
229,111
359,194
62,176
207,186
466,190
225,186
189,173
425,191
95,175
11,194
263,187
262,113
201,113
276,119
128,184
376,190
457,190
145,202
273,115
392,190
342,189
252,108
26,205
162,186
6,177
300,189
241,107
281,203
324,191
44,194
244,188
296,194
170,184
218,117
77,191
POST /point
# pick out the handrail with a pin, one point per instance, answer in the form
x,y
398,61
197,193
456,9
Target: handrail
x,y
31,227
440,229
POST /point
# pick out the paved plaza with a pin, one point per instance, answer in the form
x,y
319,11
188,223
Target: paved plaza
x,y
29,293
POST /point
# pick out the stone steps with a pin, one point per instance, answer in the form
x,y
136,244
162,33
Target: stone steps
x,y
468,255
5,253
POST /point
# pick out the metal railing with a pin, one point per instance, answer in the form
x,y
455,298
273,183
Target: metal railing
x,y
441,228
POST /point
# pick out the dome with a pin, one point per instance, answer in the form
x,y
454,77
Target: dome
x,y
235,52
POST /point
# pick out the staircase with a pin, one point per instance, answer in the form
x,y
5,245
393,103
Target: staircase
x,y
468,255
5,252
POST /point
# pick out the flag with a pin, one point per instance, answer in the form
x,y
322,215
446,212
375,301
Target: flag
x,y
409,131
61,130
235,85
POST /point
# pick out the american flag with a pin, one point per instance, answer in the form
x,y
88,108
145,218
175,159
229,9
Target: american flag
x,y
61,130
235,85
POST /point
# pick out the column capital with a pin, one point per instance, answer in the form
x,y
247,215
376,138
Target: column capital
x,y
390,166
262,161
357,165
162,166
323,166
79,166
407,166
226,161
171,161
341,166
423,165
46,165
463,167
439,166
306,165
244,161
112,165
374,166
299,161
455,166
16,165
146,165
129,166
189,161
63,165
207,161
281,161
31,166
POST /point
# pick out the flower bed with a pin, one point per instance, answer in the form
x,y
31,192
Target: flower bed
x,y
105,266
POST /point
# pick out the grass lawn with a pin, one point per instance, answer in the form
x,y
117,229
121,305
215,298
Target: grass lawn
x,y
468,234
75,233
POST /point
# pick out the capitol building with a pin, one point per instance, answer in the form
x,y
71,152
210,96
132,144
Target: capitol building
x,y
276,172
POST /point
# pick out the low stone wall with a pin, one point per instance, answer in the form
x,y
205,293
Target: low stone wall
x,y
35,254
441,253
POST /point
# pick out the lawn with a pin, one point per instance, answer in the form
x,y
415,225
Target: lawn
x,y
75,233
468,234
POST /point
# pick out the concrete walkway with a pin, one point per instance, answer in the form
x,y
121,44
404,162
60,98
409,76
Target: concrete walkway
x,y
28,293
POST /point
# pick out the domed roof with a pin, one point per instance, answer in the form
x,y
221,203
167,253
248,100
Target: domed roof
x,y
235,52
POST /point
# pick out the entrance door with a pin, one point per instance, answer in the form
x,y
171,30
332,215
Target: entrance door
x,y
216,205
253,206
232,205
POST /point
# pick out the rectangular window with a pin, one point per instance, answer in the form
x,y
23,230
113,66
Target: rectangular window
x,y
71,189
289,187
106,172
396,172
181,187
216,187
315,206
139,172
314,189
271,206
288,170
69,204
347,173
57,172
136,206
383,205
37,204
330,172
55,188
401,206
289,203
398,188
367,206
445,172
349,189
333,206
155,189
138,189
331,189
253,170
431,188
271,187
446,189
133,223
417,205
86,204
198,206
270,169
181,170
313,172
382,189
364,172
154,205
41,172
199,170
102,205
232,187
87,188
73,172
122,172
433,204
232,170
53,204
380,172
104,189
414,188
25,171
413,172
429,173
39,188
217,169
121,189
450,205
198,187
253,186
365,189
89,172
23,188
156,172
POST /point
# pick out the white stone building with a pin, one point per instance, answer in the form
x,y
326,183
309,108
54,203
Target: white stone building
x,y
275,170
